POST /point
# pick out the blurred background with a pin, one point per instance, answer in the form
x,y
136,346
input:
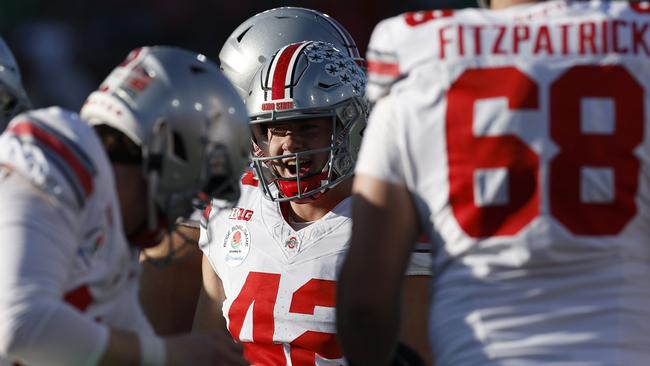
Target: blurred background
x,y
66,47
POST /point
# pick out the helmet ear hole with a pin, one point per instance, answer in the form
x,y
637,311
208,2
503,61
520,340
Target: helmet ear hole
x,y
195,69
179,147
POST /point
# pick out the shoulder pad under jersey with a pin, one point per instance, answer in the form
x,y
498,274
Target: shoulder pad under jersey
x,y
54,149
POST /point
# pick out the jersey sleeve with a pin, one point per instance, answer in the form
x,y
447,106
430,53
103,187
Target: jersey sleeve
x,y
380,152
383,65
39,242
52,155
380,157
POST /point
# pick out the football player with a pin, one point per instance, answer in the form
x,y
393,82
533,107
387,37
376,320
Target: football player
x,y
518,140
271,264
172,270
253,38
82,195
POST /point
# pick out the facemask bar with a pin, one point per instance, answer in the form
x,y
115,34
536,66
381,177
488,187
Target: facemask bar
x,y
219,182
216,181
340,164
269,180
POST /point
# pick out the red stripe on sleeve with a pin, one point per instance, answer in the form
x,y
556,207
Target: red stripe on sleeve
x,y
85,178
383,68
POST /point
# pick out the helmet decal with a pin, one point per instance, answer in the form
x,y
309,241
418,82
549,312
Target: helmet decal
x,y
281,71
301,82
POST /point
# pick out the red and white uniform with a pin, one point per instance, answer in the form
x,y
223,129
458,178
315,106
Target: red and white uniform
x,y
67,270
523,135
280,282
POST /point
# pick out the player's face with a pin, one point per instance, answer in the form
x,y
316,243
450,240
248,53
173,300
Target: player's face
x,y
297,136
132,194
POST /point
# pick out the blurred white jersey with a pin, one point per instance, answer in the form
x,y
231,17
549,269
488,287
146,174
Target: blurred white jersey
x,y
66,264
523,137
280,282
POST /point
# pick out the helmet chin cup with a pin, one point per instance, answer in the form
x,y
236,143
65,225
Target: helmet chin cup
x,y
297,188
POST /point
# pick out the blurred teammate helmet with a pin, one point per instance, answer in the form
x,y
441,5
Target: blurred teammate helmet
x,y
13,98
188,120
303,81
255,40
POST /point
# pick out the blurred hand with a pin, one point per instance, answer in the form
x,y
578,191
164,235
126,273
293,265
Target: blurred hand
x,y
215,348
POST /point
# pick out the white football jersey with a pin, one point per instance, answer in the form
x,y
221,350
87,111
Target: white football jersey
x,y
523,136
279,282
63,246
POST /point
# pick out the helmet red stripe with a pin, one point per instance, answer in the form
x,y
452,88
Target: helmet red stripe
x,y
281,69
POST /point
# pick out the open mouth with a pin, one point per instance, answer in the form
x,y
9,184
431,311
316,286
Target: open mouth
x,y
291,167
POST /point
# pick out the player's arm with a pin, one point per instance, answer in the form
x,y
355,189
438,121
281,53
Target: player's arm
x,y
171,281
414,329
208,316
414,332
37,327
216,348
38,245
209,341
370,285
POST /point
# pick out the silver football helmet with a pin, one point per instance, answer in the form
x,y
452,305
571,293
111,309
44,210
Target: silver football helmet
x,y
188,120
13,98
257,38
303,81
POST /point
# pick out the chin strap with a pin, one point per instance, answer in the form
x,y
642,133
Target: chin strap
x,y
144,238
172,254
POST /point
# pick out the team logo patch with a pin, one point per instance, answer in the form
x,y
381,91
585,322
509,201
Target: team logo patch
x,y
239,213
236,245
292,245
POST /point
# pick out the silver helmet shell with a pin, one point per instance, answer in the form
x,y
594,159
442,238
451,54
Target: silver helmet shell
x,y
13,98
189,121
303,81
257,38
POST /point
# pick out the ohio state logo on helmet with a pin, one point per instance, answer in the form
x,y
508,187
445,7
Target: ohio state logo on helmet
x,y
283,72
